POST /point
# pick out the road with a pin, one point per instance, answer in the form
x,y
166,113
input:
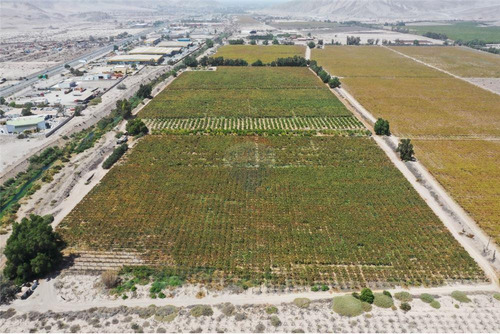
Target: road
x,y
57,69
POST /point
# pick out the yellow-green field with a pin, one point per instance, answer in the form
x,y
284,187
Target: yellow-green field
x,y
460,61
440,113
468,169
266,53
417,100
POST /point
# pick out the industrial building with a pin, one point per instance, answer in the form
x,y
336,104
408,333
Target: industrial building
x,y
152,41
20,124
136,59
175,44
155,51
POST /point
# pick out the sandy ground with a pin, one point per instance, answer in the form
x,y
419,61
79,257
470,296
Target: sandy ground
x,y
372,34
475,81
246,311
491,84
14,70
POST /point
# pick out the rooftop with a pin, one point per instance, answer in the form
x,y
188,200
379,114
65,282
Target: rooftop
x,y
26,120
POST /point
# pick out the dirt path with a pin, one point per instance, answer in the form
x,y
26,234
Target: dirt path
x,y
45,298
308,53
450,213
441,70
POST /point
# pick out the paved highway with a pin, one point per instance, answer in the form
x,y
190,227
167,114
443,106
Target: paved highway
x,y
57,69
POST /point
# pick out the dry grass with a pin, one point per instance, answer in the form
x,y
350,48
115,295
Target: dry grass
x,y
460,61
267,54
468,169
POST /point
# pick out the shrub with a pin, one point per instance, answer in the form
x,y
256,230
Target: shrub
x,y
426,298
367,296
315,288
383,301
74,329
366,306
334,82
302,302
228,309
33,249
272,310
137,127
275,321
260,328
435,304
8,290
258,62
405,307
325,287
347,306
387,293
382,127
460,296
355,295
115,156
405,149
496,296
403,296
201,310
110,279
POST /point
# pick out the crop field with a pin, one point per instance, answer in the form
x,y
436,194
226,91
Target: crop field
x,y
266,53
250,123
449,120
280,209
245,92
304,24
469,170
461,61
465,31
417,100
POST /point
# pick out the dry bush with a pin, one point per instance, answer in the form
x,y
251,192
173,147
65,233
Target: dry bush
x,y
110,279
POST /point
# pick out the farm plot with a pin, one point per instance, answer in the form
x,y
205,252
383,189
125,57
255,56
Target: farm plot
x,y
245,92
266,53
469,170
417,100
432,109
289,210
464,31
348,124
460,61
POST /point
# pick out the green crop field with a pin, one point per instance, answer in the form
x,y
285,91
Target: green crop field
x,y
266,53
461,61
304,24
465,31
288,210
245,92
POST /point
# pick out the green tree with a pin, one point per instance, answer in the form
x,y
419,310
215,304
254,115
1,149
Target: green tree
x,y
405,149
144,91
2,100
275,42
382,127
27,109
367,296
265,42
136,127
253,42
311,45
124,108
334,82
209,43
33,249
190,61
258,62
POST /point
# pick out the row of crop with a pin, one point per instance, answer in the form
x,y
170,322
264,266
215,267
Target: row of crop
x,y
287,208
247,123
